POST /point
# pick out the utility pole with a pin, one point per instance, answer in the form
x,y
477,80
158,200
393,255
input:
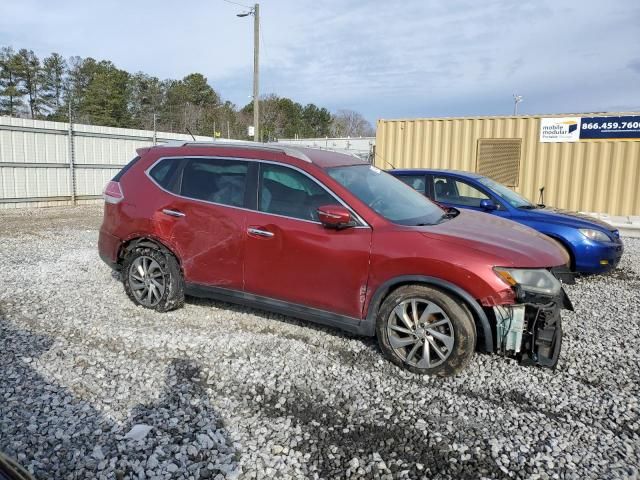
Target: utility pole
x,y
256,72
255,11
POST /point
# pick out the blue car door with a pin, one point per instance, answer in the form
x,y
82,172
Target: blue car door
x,y
463,193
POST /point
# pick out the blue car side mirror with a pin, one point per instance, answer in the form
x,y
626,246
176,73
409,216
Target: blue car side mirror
x,y
488,204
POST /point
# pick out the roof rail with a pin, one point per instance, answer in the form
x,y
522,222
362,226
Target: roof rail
x,y
287,150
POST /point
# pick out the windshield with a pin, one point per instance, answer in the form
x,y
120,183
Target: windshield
x,y
387,195
508,195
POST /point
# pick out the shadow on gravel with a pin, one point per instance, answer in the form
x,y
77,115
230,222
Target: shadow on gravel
x,y
333,440
55,434
623,273
348,357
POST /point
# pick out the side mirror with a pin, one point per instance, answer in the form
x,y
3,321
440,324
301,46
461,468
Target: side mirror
x,y
335,216
488,204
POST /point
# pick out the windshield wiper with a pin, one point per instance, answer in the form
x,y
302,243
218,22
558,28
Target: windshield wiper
x,y
449,214
528,207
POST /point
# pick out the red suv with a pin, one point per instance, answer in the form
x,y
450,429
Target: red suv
x,y
325,237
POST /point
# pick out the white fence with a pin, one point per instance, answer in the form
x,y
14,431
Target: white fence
x,y
363,147
46,163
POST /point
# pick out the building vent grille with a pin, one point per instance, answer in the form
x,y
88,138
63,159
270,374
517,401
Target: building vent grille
x,y
499,159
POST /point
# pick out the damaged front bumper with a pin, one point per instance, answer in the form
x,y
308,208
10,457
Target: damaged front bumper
x,y
531,331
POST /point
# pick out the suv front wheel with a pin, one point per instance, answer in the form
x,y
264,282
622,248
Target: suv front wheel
x,y
426,331
152,279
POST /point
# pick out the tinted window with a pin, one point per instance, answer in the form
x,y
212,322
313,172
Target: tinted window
x,y
458,192
284,191
219,181
414,181
164,173
387,196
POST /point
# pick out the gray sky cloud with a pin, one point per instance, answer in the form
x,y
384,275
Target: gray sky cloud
x,y
386,59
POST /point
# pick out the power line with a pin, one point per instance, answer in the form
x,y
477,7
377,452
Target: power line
x,y
236,3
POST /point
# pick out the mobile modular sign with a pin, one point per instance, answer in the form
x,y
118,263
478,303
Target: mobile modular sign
x,y
563,129
573,129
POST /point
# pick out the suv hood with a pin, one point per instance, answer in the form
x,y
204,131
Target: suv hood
x,y
510,244
566,217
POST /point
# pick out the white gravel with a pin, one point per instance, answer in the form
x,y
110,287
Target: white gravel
x,y
95,387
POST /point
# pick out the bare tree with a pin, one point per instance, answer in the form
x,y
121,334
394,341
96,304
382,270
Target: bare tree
x,y
347,123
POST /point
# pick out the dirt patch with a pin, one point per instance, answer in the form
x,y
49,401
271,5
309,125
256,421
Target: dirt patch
x,y
34,220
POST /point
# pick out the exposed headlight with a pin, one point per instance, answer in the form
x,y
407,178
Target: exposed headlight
x,y
592,234
531,280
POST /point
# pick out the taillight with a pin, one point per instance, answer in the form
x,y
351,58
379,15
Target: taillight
x,y
112,192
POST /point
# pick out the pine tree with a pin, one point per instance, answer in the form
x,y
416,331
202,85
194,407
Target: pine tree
x,y
30,80
54,69
145,96
10,96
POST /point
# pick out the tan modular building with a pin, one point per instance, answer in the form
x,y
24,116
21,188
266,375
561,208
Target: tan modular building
x,y
569,155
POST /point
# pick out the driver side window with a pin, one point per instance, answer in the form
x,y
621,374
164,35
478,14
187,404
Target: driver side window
x,y
287,192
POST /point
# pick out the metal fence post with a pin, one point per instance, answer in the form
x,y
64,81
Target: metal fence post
x,y
155,130
72,172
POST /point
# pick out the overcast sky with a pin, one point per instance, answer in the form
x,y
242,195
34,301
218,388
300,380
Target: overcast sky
x,y
386,59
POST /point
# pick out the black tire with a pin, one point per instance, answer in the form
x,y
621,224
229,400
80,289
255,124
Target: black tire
x,y
172,295
450,320
565,247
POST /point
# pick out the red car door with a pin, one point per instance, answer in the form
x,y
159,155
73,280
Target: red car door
x,y
290,256
206,222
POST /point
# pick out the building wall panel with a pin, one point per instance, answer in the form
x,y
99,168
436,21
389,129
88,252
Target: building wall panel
x,y
593,175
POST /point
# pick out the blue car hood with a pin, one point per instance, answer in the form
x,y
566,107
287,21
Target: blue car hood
x,y
566,217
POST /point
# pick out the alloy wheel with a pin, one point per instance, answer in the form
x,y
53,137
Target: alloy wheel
x,y
147,281
420,333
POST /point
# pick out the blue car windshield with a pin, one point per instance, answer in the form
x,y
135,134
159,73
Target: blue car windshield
x,y
387,196
506,194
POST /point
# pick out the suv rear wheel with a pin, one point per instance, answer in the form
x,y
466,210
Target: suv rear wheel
x,y
426,331
152,279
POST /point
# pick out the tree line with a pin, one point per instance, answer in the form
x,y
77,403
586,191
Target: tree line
x,y
99,93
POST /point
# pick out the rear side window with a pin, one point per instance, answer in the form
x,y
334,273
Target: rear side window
x,y
457,192
164,173
414,181
215,180
124,169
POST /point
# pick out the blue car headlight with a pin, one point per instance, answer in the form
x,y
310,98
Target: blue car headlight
x,y
530,279
596,235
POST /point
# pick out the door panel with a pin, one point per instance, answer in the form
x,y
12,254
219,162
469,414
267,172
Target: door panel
x,y
211,240
208,228
290,256
303,262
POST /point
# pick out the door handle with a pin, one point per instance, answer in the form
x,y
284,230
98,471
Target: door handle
x,y
260,233
173,213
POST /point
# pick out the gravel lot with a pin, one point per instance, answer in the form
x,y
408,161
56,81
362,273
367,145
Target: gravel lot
x,y
95,387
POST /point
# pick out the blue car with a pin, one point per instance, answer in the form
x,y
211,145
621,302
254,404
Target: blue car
x,y
594,246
